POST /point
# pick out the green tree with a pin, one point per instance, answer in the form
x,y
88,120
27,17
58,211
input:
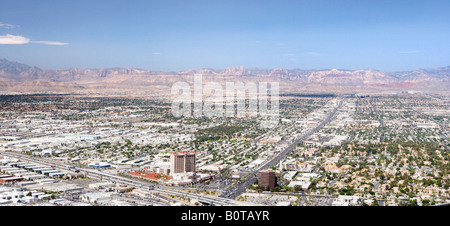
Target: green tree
x,y
375,203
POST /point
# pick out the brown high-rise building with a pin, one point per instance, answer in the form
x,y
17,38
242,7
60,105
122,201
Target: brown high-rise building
x,y
182,162
267,178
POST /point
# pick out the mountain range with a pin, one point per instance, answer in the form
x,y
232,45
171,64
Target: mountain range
x,y
21,78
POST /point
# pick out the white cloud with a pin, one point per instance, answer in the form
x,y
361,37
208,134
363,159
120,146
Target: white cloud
x,y
13,39
17,39
156,53
51,43
7,26
313,54
410,52
9,39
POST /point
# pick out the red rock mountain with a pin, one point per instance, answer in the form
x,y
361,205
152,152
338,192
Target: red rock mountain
x,y
20,78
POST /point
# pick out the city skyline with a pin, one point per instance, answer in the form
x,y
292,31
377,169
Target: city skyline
x,y
247,105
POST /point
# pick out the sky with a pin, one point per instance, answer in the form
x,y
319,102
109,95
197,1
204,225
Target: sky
x,y
394,35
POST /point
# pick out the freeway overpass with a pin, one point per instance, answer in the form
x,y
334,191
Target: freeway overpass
x,y
128,181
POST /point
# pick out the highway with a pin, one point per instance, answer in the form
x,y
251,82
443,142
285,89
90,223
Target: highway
x,y
225,199
242,185
93,173
380,118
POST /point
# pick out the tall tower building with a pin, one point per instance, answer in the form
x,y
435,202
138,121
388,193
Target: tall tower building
x,y
267,178
182,162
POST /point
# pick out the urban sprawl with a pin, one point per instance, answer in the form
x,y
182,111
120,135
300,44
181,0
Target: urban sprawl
x,y
327,150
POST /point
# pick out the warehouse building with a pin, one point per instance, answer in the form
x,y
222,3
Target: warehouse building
x,y
99,165
10,179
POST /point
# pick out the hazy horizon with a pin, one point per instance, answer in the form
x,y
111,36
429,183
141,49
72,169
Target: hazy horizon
x,y
218,69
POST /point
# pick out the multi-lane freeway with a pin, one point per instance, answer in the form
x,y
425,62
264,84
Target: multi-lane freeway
x,y
93,173
380,118
242,185
225,199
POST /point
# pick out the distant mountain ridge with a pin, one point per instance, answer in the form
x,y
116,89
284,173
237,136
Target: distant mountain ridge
x,y
18,77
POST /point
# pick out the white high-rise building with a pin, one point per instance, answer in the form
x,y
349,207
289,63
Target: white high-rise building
x,y
182,162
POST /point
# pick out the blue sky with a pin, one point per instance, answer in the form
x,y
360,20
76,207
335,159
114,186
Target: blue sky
x,y
167,35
